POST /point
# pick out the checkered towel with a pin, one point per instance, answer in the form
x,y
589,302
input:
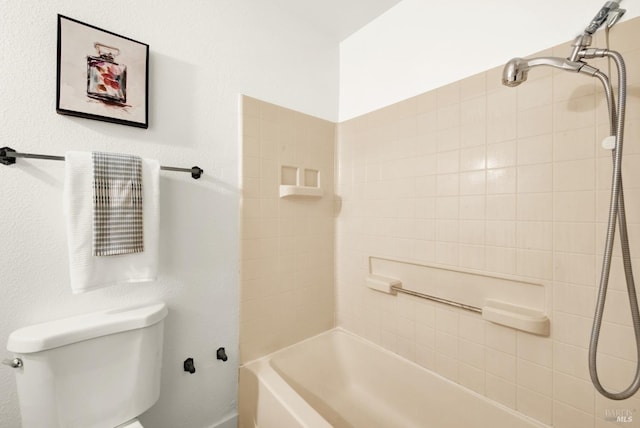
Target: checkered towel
x,y
117,207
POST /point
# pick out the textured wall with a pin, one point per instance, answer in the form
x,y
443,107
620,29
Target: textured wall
x,y
286,267
500,181
203,54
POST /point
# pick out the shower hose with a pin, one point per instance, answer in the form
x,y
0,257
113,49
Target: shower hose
x,y
616,212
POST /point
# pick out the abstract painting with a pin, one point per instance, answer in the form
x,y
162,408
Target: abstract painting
x,y
101,75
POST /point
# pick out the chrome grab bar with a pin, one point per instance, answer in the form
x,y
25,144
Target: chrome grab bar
x,y
437,299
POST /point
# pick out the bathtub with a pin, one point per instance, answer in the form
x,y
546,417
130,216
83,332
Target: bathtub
x,y
337,379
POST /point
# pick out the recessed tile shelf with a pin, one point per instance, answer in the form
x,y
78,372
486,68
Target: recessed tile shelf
x,y
287,190
296,181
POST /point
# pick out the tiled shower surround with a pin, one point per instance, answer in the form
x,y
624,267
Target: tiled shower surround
x,y
501,181
481,178
287,246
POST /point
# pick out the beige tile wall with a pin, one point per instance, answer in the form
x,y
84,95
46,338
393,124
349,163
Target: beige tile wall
x,y
287,247
506,181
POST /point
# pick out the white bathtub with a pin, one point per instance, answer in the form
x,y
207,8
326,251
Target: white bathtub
x,y
340,380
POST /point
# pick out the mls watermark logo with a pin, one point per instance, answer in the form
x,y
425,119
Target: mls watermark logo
x,y
619,415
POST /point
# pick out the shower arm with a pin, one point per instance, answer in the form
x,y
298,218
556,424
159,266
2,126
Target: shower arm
x,y
566,64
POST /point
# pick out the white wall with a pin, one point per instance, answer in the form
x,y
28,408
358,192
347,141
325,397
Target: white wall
x,y
203,54
421,45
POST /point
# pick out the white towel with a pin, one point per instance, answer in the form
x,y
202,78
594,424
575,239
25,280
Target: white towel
x,y
89,272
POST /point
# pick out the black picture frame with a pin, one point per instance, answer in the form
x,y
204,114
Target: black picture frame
x,y
101,75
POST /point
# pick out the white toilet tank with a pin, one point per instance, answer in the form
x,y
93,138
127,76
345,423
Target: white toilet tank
x,y
97,370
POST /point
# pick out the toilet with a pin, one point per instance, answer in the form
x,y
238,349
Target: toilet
x,y
99,370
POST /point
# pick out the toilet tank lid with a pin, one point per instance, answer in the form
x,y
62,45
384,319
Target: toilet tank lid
x,y
54,334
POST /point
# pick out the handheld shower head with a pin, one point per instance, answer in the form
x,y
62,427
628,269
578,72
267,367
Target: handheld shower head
x,y
515,71
610,13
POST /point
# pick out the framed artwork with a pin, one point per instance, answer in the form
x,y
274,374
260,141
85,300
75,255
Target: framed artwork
x,y
101,75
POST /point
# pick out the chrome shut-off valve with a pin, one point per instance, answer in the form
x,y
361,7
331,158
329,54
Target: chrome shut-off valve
x,y
15,363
